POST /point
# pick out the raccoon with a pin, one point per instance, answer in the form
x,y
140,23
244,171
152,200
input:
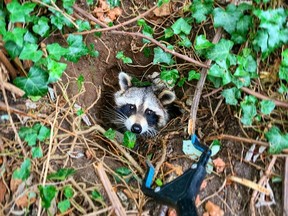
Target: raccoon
x,y
139,109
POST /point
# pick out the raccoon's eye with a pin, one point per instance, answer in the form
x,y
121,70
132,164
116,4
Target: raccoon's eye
x,y
149,112
132,107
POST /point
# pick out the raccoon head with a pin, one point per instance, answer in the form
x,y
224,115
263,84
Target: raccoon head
x,y
138,109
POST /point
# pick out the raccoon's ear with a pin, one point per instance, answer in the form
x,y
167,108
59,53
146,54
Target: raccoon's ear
x,y
166,97
124,81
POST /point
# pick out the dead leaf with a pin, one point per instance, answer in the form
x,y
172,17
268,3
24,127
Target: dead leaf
x,y
105,14
24,201
14,183
213,209
219,164
129,194
164,10
114,13
3,191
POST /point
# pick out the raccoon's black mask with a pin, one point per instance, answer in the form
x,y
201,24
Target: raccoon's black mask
x,y
139,109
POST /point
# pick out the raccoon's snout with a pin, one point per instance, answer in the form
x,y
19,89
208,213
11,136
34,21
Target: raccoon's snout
x,y
136,128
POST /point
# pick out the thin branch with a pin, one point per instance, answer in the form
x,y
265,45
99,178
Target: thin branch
x,y
48,154
138,34
238,139
263,97
184,57
199,88
8,65
9,112
112,27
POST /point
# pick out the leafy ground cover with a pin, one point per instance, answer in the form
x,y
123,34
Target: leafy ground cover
x,y
226,62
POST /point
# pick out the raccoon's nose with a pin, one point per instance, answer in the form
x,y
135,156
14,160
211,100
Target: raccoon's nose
x,y
136,128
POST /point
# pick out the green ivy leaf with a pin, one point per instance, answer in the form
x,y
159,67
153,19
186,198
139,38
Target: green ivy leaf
x,y
47,194
30,52
267,106
161,2
44,133
76,48
16,36
181,82
96,195
91,51
114,3
80,81
30,38
277,140
18,12
138,83
201,43
59,20
29,134
283,89
147,30
273,31
68,192
83,25
24,172
248,106
221,50
61,174
193,75
162,57
220,72
2,21
243,25
231,95
110,134
37,152
170,76
181,26
56,51
123,171
185,41
35,84
55,69
13,49
67,4
42,26
126,60
227,18
64,205
129,139
200,9
168,32
283,71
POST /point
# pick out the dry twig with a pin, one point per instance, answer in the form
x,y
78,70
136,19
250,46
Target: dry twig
x,y
117,206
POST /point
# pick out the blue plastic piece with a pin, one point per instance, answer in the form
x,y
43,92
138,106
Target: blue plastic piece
x,y
150,175
196,143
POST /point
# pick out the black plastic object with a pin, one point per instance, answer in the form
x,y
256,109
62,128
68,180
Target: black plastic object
x,y
182,191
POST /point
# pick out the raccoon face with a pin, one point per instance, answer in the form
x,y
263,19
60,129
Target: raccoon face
x,y
139,109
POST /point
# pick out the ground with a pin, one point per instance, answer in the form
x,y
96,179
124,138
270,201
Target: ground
x,y
100,75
